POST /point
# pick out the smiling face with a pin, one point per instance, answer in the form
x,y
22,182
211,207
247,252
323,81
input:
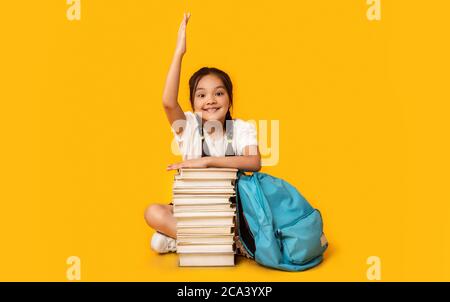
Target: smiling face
x,y
211,99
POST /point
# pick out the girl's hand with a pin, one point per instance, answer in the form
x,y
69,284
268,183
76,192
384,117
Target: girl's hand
x,y
202,162
181,42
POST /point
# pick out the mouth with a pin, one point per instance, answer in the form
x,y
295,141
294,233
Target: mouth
x,y
212,110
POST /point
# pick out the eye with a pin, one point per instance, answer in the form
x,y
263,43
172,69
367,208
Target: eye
x,y
200,95
220,93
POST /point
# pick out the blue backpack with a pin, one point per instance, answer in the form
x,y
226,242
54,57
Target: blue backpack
x,y
286,232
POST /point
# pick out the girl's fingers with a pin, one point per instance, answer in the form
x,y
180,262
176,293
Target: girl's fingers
x,y
178,166
173,166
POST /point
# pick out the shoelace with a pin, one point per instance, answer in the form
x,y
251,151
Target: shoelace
x,y
172,244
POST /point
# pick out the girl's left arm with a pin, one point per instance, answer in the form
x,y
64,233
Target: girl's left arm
x,y
250,161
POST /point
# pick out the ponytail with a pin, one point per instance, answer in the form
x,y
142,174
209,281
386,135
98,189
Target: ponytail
x,y
228,116
228,124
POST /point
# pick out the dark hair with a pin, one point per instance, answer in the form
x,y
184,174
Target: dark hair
x,y
199,74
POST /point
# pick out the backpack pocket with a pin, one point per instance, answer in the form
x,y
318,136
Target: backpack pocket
x,y
303,240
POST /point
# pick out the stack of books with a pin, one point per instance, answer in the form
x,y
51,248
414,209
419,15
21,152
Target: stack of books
x,y
205,213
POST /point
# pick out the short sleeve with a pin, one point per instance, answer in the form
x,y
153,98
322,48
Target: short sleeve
x,y
188,127
246,136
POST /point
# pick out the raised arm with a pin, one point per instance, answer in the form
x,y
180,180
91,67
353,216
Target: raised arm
x,y
170,94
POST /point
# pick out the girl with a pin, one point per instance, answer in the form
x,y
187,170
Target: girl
x,y
211,98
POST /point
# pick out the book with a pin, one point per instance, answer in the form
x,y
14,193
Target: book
x,y
204,231
205,182
206,259
204,222
205,248
204,208
200,236
200,190
199,200
221,196
207,215
202,239
208,173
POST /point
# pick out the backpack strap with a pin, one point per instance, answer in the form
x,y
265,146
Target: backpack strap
x,y
243,230
229,133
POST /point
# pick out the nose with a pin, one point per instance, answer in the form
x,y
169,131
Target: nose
x,y
211,100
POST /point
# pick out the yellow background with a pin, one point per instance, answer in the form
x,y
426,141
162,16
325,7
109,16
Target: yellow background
x,y
363,110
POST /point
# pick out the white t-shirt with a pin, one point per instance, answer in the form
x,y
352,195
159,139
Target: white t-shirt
x,y
190,146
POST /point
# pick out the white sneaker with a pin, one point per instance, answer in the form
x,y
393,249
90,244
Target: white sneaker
x,y
163,244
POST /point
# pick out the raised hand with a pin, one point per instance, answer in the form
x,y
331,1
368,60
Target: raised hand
x,y
181,41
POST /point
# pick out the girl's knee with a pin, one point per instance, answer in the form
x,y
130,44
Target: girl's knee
x,y
154,215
